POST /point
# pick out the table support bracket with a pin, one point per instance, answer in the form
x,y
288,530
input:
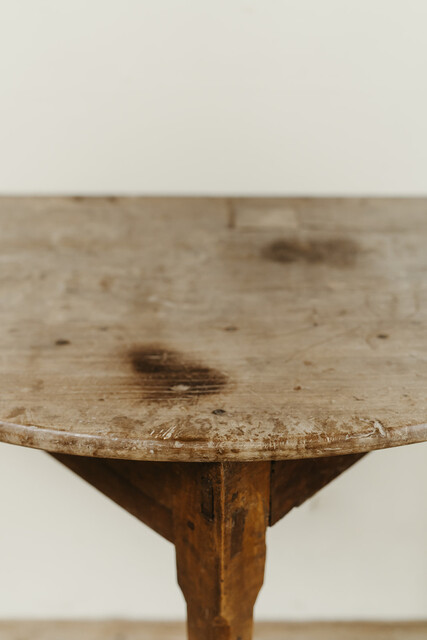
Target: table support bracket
x,y
216,514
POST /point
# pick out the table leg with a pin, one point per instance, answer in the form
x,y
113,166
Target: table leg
x,y
221,515
216,514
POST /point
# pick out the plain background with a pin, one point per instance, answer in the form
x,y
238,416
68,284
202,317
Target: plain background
x,y
305,97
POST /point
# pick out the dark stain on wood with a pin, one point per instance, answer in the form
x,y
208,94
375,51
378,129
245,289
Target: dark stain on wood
x,y
220,564
238,520
166,374
340,252
207,498
61,342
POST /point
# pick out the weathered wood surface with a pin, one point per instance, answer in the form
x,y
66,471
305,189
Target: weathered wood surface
x,y
112,630
221,516
152,491
216,514
213,329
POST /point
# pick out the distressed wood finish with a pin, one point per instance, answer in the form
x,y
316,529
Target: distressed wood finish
x,y
221,516
193,355
212,329
216,514
151,491
113,630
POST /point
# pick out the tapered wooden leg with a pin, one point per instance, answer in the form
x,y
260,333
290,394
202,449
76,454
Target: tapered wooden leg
x,y
220,518
216,515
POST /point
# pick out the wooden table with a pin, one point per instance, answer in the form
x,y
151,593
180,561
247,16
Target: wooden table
x,y
209,364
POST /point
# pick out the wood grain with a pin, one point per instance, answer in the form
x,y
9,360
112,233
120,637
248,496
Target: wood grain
x,y
221,515
151,491
113,630
169,329
215,513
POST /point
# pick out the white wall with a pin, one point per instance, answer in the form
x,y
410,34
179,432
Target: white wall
x,y
220,96
197,96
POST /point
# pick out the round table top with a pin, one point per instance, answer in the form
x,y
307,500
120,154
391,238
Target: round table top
x,y
213,329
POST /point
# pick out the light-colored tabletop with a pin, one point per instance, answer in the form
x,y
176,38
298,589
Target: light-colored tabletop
x,y
213,329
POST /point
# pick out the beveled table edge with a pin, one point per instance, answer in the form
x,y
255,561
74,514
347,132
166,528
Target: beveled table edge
x,y
59,441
